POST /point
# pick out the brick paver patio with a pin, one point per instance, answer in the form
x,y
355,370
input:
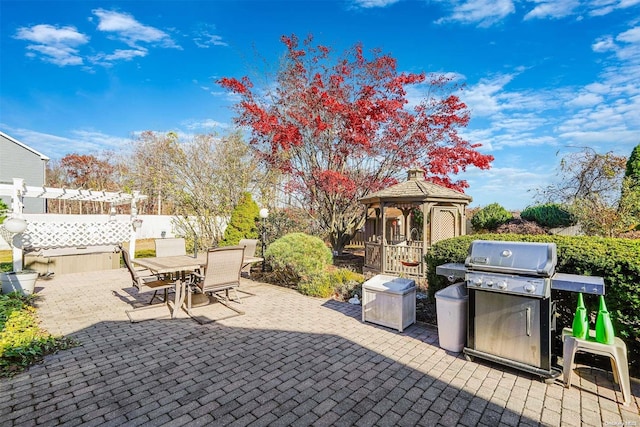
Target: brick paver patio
x,y
291,360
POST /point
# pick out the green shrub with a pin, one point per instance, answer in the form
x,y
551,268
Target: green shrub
x,y
298,257
22,342
243,223
319,286
490,217
550,215
339,282
617,261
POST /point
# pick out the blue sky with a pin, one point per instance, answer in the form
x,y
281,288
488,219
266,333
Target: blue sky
x,y
541,77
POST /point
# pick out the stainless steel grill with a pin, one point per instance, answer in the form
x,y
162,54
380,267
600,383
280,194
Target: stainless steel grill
x,y
511,317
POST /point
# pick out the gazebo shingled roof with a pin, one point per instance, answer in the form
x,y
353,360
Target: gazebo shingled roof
x,y
415,189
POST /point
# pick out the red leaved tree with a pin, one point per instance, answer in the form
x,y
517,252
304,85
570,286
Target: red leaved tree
x,y
342,129
84,171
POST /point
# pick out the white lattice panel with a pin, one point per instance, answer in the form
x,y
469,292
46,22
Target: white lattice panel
x,y
59,235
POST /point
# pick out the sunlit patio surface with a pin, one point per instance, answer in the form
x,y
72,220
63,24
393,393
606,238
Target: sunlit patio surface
x,y
291,360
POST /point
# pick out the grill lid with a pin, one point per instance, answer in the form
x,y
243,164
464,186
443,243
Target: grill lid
x,y
527,258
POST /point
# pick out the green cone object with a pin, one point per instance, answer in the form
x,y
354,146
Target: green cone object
x,y
580,320
604,327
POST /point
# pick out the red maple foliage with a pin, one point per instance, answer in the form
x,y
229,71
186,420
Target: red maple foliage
x,y
343,129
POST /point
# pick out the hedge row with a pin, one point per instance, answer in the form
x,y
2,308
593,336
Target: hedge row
x,y
617,261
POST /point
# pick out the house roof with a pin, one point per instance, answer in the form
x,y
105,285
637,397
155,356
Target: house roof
x,y
25,146
418,190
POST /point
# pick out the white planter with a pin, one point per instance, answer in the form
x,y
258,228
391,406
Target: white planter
x,y
23,282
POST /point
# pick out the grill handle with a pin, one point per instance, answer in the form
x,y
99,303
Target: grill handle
x,y
528,321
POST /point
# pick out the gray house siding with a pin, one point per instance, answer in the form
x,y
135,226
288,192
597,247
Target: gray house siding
x,y
17,160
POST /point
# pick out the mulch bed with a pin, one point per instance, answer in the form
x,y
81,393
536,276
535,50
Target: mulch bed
x,y
354,260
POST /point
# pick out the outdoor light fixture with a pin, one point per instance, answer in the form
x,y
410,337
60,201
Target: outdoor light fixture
x,y
136,223
264,213
15,224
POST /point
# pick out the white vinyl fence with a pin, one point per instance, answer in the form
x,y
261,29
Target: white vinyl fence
x,y
153,226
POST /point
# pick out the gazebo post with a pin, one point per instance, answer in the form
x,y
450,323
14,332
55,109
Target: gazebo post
x,y
426,223
384,237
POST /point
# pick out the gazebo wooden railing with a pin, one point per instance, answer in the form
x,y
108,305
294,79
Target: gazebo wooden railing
x,y
406,259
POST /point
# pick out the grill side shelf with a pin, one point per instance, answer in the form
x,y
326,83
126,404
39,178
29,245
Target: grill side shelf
x,y
452,270
578,283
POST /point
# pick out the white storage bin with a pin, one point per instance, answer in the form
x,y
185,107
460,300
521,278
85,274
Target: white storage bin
x,y
451,311
389,301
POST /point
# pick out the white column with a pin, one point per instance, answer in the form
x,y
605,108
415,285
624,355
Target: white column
x,y
134,216
16,207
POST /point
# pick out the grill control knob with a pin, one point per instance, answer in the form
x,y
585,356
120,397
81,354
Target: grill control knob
x,y
478,281
490,283
502,285
530,287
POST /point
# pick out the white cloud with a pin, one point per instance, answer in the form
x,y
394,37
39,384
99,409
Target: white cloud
x,y
80,141
552,9
205,124
205,37
59,45
484,13
630,36
604,44
96,142
118,55
367,4
586,99
483,98
130,31
604,7
512,185
53,44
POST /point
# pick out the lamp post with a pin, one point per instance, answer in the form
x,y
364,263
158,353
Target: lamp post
x,y
264,213
15,225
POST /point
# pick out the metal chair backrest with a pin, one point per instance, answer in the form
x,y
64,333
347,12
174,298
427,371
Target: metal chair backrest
x,y
171,247
135,277
223,268
249,246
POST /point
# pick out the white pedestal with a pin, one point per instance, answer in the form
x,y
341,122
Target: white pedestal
x,y
389,301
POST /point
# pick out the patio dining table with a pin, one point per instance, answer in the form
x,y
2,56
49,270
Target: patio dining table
x,y
180,265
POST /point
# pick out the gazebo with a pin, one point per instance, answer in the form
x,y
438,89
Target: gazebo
x,y
404,220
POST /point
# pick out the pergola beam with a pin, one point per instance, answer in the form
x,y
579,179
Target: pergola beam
x,y
84,195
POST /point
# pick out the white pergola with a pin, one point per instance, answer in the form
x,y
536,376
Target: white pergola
x,y
48,235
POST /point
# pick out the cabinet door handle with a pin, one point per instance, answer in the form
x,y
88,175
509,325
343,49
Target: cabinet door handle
x,y
528,321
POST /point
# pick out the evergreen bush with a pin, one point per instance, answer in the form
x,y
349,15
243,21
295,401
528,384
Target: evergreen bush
x,y
550,215
490,217
298,257
243,223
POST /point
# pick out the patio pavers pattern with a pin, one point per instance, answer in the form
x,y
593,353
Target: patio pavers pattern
x,y
291,360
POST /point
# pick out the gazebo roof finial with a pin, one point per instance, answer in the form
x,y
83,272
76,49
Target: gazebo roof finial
x,y
415,173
